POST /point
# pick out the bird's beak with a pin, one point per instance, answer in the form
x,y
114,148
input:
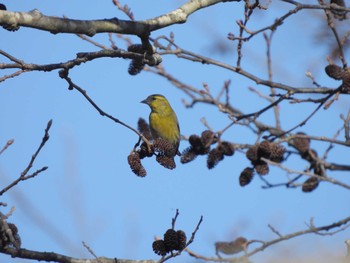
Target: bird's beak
x,y
145,101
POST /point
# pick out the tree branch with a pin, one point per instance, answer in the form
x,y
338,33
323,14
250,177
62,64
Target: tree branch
x,y
59,258
191,56
82,57
24,175
35,19
64,75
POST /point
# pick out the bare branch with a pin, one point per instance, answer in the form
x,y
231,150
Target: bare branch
x,y
91,252
35,19
64,75
346,126
322,178
9,142
188,55
312,229
59,258
24,175
82,57
173,220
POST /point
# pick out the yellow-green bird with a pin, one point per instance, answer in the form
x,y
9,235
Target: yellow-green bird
x,y
162,120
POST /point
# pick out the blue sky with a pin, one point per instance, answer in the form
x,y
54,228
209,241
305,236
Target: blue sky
x,y
89,192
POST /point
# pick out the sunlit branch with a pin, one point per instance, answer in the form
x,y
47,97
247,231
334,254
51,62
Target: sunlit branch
x,y
35,19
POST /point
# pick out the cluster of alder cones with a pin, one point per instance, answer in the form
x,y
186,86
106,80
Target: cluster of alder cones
x,y
275,152
265,149
202,145
162,149
165,152
173,240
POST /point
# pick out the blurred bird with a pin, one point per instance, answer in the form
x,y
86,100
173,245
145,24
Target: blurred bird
x,y
163,121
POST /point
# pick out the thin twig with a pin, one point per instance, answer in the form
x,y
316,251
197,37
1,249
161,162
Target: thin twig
x,y
24,175
64,75
8,143
343,223
172,255
321,178
335,33
91,251
324,100
173,220
13,75
346,126
268,40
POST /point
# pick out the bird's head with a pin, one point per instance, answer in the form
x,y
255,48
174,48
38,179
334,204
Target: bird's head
x,y
156,102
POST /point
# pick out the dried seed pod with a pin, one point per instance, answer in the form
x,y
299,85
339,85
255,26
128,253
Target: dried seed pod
x,y
301,144
170,240
197,145
277,152
188,155
227,148
166,161
346,81
143,128
158,247
310,184
246,176
334,71
136,48
144,151
164,147
214,157
264,149
135,164
252,153
136,66
181,240
195,140
261,167
208,138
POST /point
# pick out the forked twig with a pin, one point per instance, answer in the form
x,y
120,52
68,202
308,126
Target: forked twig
x,y
24,175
